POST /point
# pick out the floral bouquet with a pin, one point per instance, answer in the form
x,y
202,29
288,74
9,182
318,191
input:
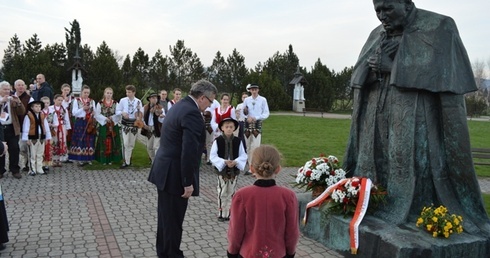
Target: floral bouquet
x,y
345,196
319,172
439,222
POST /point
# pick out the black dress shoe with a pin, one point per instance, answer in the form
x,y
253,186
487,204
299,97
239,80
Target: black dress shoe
x,y
2,246
221,219
17,175
25,169
124,165
247,173
68,161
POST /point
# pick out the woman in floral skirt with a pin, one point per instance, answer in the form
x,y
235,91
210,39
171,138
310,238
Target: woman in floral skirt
x,y
82,147
108,147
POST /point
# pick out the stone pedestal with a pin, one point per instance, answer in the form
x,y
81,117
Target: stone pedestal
x,y
378,239
298,105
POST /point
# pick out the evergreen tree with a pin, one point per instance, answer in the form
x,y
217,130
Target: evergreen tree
x,y
236,73
13,61
159,66
105,73
126,71
140,67
185,67
320,90
216,73
73,38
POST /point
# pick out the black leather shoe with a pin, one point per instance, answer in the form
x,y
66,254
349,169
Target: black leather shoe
x,y
17,175
2,246
25,169
247,173
124,165
221,219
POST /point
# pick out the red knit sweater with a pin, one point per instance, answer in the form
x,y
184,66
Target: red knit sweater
x,y
264,219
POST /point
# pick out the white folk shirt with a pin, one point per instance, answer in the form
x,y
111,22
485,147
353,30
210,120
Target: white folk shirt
x,y
130,106
27,125
257,107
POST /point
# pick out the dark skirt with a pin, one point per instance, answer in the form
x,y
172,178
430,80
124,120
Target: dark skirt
x,y
82,144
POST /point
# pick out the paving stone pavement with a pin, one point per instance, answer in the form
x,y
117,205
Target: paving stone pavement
x,y
112,213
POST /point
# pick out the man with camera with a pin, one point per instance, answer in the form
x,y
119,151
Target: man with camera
x,y
11,108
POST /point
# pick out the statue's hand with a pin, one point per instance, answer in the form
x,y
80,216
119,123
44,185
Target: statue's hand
x,y
390,48
380,62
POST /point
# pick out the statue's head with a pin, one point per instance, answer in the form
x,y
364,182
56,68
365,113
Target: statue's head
x,y
393,13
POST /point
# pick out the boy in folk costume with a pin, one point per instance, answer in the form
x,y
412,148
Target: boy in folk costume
x,y
228,156
131,110
153,115
35,132
58,142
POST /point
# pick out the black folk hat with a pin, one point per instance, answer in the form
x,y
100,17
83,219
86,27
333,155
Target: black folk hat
x,y
153,95
228,119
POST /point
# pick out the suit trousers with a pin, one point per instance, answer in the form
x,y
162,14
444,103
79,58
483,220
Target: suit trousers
x,y
171,213
13,150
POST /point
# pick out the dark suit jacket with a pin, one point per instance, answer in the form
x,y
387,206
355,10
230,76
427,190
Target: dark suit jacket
x,y
177,161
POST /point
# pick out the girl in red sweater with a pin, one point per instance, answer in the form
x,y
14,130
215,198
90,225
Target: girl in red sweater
x,y
264,217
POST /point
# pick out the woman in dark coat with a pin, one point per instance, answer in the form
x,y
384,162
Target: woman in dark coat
x,y
4,224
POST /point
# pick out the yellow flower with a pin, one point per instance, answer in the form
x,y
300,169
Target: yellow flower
x,y
429,227
434,219
434,234
446,234
420,221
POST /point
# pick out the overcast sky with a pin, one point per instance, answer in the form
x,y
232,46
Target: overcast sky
x,y
332,30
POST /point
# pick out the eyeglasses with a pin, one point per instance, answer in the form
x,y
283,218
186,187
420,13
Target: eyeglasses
x,y
210,101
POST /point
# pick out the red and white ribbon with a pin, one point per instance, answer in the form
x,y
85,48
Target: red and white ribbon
x,y
361,208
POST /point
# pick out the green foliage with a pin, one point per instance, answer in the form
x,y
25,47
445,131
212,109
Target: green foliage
x,y
271,89
105,73
476,105
184,66
159,78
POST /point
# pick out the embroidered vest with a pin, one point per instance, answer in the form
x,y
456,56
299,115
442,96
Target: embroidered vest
x,y
156,124
219,116
220,141
34,126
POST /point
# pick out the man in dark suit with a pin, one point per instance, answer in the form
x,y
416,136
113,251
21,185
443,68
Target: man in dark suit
x,y
175,170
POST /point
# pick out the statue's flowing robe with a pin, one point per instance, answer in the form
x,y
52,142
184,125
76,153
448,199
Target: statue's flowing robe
x,y
409,131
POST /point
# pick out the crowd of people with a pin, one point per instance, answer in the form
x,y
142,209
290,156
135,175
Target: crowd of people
x,y
42,129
